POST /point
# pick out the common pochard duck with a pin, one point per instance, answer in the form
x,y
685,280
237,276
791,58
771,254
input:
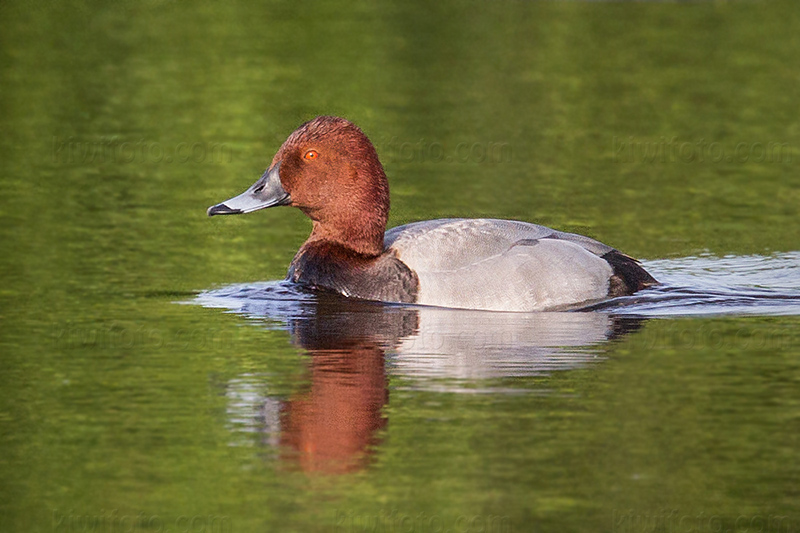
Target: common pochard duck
x,y
330,170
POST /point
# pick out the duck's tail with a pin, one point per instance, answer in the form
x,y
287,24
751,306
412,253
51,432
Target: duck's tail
x,y
629,276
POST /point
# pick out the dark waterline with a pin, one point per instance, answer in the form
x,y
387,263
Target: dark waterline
x,y
693,286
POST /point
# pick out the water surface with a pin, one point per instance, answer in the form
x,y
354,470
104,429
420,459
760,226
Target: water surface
x,y
667,130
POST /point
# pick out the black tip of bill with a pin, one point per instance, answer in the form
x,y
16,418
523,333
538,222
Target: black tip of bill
x,y
222,209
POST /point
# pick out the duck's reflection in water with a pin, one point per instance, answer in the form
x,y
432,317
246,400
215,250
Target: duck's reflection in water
x,y
333,422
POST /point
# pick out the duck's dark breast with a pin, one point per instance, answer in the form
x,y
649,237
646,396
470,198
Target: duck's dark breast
x,y
331,266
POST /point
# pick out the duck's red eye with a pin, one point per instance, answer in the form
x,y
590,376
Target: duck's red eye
x,y
311,155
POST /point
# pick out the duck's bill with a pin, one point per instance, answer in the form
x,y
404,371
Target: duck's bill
x,y
266,192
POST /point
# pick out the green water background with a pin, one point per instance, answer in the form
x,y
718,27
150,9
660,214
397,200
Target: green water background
x,y
663,129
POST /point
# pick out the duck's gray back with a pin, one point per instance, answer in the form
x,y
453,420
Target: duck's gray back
x,y
502,265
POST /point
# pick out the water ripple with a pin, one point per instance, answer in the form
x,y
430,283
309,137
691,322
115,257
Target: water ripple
x,y
709,285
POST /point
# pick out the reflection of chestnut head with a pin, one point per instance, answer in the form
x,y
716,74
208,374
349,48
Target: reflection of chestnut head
x,y
330,426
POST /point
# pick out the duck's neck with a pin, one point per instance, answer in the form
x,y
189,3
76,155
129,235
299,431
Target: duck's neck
x,y
356,217
364,237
